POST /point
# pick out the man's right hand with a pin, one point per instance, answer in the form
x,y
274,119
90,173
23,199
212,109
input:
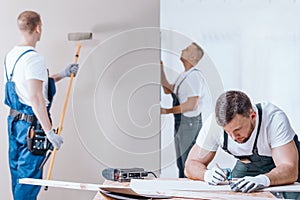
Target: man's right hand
x,y
215,176
55,139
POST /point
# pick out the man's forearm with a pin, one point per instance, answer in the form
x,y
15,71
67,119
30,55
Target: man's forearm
x,y
286,160
194,170
197,161
189,105
57,77
40,111
283,174
168,88
173,110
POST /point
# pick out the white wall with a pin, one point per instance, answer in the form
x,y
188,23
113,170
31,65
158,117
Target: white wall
x,y
104,18
254,45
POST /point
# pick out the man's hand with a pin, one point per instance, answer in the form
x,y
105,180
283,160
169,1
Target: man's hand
x,y
163,111
251,184
55,139
71,68
215,176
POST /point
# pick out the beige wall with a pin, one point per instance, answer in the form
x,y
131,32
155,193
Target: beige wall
x,y
86,148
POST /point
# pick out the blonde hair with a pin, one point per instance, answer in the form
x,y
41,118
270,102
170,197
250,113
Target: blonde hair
x,y
199,52
28,21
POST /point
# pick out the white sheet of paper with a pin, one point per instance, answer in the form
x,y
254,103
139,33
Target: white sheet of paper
x,y
190,185
161,184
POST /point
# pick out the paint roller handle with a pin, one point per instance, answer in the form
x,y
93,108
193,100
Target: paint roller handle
x,y
71,69
63,114
77,52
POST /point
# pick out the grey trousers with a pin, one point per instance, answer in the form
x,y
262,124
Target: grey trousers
x,y
185,138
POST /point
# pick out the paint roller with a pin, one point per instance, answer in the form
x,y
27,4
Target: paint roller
x,y
78,36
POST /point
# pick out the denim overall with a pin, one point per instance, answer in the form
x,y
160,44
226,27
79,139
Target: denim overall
x,y
186,132
23,164
258,164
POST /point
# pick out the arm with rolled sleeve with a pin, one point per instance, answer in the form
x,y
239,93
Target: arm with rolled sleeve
x,y
36,75
39,108
189,87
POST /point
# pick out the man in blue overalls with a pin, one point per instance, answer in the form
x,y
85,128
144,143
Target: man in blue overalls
x,y
260,137
29,94
190,98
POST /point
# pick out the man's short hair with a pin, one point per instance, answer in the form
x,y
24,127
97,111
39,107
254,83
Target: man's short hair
x,y
231,103
200,51
28,21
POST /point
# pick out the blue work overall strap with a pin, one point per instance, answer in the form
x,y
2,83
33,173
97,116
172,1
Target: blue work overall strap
x,y
177,117
12,72
11,97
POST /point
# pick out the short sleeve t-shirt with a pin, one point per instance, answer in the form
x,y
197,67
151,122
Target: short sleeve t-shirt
x,y
192,83
275,131
32,65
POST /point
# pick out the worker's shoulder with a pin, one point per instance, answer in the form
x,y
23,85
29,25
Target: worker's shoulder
x,y
273,115
270,108
26,52
196,76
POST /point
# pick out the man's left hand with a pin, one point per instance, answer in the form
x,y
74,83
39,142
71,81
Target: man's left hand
x,y
163,111
250,184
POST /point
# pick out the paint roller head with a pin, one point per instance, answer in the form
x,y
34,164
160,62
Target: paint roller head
x,y
80,36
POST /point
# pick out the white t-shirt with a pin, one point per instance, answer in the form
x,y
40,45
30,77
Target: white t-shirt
x,y
275,131
32,65
194,84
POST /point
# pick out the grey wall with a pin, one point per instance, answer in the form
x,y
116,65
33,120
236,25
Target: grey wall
x,y
110,116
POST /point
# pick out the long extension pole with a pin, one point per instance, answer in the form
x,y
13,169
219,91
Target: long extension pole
x,y
63,114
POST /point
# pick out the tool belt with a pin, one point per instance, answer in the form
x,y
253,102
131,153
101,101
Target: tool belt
x,y
36,139
22,116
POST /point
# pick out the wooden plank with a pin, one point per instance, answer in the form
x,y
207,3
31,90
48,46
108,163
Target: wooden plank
x,y
91,187
60,184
